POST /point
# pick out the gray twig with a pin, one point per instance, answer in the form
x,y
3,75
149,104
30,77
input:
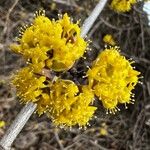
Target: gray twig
x,y
17,125
88,23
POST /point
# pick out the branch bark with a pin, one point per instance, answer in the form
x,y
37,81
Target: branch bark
x,y
88,23
17,126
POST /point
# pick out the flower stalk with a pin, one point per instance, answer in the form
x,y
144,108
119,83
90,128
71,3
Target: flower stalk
x,y
17,126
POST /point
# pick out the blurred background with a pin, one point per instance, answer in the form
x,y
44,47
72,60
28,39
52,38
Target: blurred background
x,y
128,129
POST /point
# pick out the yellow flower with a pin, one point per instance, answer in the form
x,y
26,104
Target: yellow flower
x,y
49,43
71,47
67,107
112,78
103,130
53,99
108,39
122,5
2,124
28,85
43,102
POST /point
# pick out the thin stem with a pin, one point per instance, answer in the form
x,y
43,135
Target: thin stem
x,y
17,125
88,23
29,108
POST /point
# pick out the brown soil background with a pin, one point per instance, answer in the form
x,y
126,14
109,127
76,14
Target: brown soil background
x,y
128,129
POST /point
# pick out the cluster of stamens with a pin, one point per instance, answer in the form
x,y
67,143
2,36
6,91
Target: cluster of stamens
x,y
51,46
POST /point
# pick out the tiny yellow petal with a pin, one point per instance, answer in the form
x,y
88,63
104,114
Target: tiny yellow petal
x,y
108,39
103,131
2,124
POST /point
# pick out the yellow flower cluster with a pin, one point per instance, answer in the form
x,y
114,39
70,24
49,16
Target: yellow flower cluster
x,y
122,5
108,39
60,100
28,85
51,44
69,106
56,45
112,78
